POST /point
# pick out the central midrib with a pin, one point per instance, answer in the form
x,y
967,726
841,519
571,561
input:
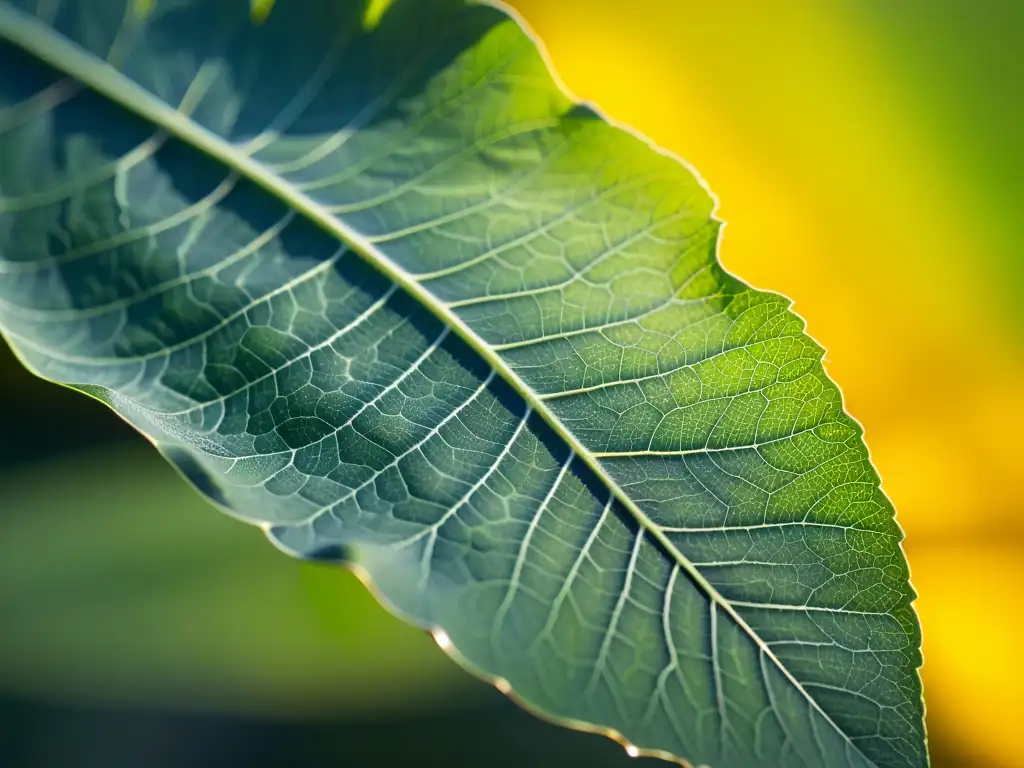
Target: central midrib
x,y
66,56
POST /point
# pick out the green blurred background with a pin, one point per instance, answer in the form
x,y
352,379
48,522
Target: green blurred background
x,y
869,161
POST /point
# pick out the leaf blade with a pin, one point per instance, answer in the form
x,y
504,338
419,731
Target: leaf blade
x,y
644,341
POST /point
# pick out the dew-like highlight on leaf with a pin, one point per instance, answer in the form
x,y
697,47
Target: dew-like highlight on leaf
x,y
441,638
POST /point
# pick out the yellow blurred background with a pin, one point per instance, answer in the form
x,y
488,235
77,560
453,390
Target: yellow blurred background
x,y
866,169
868,160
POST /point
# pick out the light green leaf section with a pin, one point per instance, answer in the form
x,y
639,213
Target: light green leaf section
x,y
384,290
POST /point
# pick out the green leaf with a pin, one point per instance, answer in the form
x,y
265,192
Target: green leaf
x,y
386,291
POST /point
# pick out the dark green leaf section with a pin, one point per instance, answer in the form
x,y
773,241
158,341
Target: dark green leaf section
x,y
384,290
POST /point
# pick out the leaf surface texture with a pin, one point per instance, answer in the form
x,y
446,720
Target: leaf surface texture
x,y
374,282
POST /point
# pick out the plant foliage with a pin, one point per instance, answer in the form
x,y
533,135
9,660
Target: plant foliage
x,y
373,281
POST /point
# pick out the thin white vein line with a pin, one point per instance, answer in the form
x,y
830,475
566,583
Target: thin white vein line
x,y
760,526
136,155
348,327
613,624
728,563
570,578
517,569
709,360
60,53
410,131
776,712
812,644
366,113
673,657
99,310
684,452
301,100
721,449
39,103
435,528
165,352
205,77
576,274
115,53
481,144
817,736
128,236
339,138
674,301
115,169
803,608
526,237
408,372
496,198
717,672
396,458
414,367
112,170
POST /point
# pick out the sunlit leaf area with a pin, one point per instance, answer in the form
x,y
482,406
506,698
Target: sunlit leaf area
x,y
866,160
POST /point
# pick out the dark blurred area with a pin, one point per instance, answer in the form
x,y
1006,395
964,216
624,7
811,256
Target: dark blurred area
x,y
492,733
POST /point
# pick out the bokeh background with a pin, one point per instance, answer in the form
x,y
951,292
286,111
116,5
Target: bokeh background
x,y
868,158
